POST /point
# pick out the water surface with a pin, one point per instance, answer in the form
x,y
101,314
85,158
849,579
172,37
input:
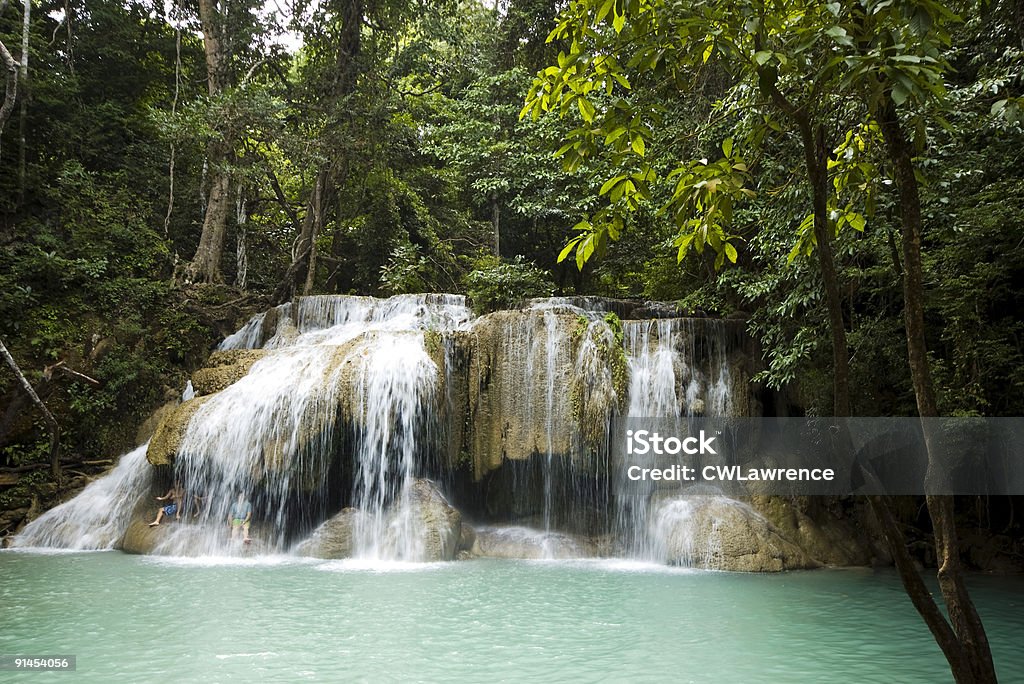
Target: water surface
x,y
134,618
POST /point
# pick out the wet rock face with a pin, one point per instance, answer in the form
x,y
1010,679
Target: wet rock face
x,y
827,531
224,368
163,447
334,538
717,533
519,370
437,526
526,543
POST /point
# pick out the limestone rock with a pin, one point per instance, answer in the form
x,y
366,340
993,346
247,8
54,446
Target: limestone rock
x,y
163,447
819,526
224,368
334,538
718,533
528,543
467,537
141,538
514,357
436,526
149,426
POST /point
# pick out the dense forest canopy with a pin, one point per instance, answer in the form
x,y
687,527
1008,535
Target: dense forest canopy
x,y
382,147
846,177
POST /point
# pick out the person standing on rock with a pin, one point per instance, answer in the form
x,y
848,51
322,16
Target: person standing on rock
x,y
173,495
239,517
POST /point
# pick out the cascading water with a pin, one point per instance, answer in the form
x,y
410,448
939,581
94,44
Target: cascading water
x,y
679,369
337,370
332,408
97,517
396,386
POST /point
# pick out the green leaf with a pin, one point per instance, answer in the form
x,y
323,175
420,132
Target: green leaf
x,y
638,145
684,242
727,147
610,183
839,34
571,245
762,56
587,110
856,221
619,22
614,135
730,252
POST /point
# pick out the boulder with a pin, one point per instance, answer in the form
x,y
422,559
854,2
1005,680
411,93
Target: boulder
x,y
528,543
422,526
141,538
224,368
718,533
436,527
163,447
334,538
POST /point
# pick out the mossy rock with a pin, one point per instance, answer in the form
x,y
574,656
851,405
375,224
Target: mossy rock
x,y
149,426
718,533
224,368
830,537
163,447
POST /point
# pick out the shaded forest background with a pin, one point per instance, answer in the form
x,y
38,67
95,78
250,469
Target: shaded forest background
x,y
157,189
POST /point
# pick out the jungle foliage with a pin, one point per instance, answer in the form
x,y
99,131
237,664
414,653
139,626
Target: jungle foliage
x,y
378,147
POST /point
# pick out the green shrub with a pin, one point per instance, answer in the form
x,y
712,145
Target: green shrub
x,y
496,284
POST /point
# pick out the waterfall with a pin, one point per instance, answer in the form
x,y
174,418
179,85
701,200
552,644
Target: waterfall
x,y
679,368
337,371
334,409
395,388
98,516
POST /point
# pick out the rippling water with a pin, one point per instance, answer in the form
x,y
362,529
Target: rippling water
x,y
279,619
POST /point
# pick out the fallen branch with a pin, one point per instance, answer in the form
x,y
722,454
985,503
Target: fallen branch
x,y
36,466
48,373
51,422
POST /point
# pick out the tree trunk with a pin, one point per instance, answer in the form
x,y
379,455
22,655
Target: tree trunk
x,y
816,166
345,84
308,245
496,222
174,112
816,161
969,656
242,247
974,662
10,88
299,270
205,265
23,114
51,422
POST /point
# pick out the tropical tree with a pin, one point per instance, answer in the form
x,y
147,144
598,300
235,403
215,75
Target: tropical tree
x,y
799,63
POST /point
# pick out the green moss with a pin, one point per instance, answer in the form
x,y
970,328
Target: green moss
x,y
579,330
434,344
616,357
